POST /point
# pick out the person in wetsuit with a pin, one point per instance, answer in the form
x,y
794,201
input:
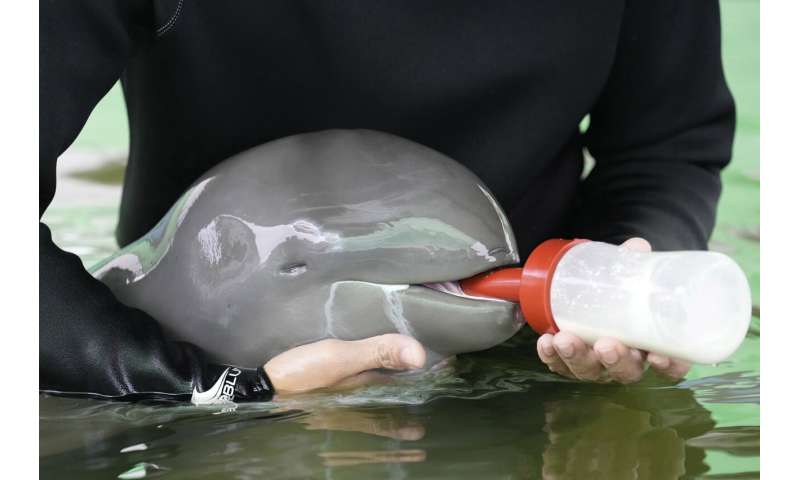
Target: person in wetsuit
x,y
499,86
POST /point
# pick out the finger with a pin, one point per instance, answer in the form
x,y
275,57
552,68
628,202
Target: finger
x,y
623,364
327,362
579,358
309,367
391,351
638,244
549,356
671,368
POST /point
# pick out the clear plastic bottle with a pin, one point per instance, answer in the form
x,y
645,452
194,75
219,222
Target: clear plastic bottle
x,y
692,305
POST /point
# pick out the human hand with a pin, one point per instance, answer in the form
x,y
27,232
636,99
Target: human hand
x,y
340,363
608,360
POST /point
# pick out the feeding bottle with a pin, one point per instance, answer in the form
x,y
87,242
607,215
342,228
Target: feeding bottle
x,y
692,305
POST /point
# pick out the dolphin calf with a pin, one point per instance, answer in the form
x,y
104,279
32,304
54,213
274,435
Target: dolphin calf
x,y
337,234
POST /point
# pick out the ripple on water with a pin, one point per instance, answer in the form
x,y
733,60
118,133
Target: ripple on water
x,y
731,387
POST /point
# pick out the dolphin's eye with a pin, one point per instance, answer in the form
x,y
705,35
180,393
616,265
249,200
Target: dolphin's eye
x,y
293,269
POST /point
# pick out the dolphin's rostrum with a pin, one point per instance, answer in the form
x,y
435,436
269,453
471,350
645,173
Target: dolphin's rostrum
x,y
337,234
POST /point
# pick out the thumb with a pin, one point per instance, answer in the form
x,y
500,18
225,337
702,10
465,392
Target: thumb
x,y
393,351
328,362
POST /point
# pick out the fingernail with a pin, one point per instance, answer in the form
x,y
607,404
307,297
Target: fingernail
x,y
609,357
566,350
411,357
548,350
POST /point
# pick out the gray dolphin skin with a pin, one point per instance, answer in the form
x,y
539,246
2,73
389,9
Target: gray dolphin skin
x,y
336,234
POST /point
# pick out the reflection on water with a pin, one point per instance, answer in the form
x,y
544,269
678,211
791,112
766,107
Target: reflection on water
x,y
557,430
341,459
494,414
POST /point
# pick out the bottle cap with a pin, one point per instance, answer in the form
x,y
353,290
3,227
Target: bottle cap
x,y
529,286
537,275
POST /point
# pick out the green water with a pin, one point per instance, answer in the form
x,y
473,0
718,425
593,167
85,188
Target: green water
x,y
493,414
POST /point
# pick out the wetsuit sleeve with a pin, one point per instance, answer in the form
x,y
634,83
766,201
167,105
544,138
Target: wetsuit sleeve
x,y
661,131
89,343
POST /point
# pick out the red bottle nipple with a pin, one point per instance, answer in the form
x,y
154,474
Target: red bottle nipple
x,y
529,286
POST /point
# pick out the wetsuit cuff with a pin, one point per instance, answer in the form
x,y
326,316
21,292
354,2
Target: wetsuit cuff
x,y
236,385
260,388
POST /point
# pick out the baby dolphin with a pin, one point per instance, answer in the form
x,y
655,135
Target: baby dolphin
x,y
336,234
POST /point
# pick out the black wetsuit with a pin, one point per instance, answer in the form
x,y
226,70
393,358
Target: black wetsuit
x,y
500,86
